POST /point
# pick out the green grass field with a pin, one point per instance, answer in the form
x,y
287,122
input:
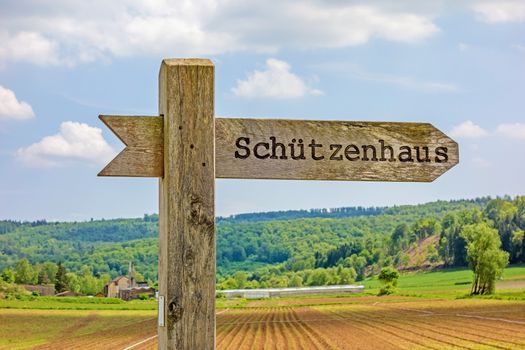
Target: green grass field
x,y
453,283
76,303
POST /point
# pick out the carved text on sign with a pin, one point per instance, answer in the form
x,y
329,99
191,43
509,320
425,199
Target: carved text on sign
x,y
298,149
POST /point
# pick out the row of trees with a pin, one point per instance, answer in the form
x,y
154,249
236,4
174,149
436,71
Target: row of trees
x,y
276,278
50,273
343,212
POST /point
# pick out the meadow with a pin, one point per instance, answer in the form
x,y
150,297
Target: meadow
x,y
431,310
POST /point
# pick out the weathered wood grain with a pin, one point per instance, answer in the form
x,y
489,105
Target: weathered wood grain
x,y
327,135
143,155
187,220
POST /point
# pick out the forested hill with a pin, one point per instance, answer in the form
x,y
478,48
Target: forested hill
x,y
277,244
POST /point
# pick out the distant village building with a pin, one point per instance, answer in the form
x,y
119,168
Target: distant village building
x,y
127,288
112,289
137,291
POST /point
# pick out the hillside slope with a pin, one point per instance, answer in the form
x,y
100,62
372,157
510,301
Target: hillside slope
x,y
244,242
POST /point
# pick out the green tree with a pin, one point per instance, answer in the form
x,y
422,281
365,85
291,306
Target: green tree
x,y
346,275
518,243
388,278
399,237
8,275
47,273
72,282
240,279
425,227
60,278
25,273
318,277
89,284
485,257
296,281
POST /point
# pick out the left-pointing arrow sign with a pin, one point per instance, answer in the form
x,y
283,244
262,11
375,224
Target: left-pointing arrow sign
x,y
143,137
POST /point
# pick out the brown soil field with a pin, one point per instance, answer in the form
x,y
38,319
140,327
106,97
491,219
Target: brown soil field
x,y
74,329
374,323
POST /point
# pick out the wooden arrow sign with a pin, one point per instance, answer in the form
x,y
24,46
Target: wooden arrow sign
x,y
296,149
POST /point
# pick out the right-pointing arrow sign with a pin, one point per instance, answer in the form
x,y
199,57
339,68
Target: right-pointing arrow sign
x,y
297,149
331,150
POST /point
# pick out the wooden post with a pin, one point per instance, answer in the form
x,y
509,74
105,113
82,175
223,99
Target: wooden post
x,y
187,220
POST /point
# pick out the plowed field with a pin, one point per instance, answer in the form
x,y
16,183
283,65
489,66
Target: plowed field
x,y
371,323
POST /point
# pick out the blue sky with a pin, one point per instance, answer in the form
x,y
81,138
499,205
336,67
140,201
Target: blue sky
x,y
459,65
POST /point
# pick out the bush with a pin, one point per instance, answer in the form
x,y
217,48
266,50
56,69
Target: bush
x,y
388,278
10,290
144,296
387,289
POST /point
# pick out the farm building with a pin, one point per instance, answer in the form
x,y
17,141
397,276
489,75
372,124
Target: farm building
x,y
126,288
135,292
281,292
112,289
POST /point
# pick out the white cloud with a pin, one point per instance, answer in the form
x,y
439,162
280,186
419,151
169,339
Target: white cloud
x,y
78,31
515,130
31,47
468,130
275,81
75,141
500,11
11,108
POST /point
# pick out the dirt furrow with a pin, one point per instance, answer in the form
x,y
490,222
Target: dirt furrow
x,y
229,337
258,342
489,327
424,341
246,340
319,340
475,335
282,341
434,333
111,338
392,337
292,329
350,334
272,341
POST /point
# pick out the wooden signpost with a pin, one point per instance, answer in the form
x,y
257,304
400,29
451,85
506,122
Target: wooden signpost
x,y
187,148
